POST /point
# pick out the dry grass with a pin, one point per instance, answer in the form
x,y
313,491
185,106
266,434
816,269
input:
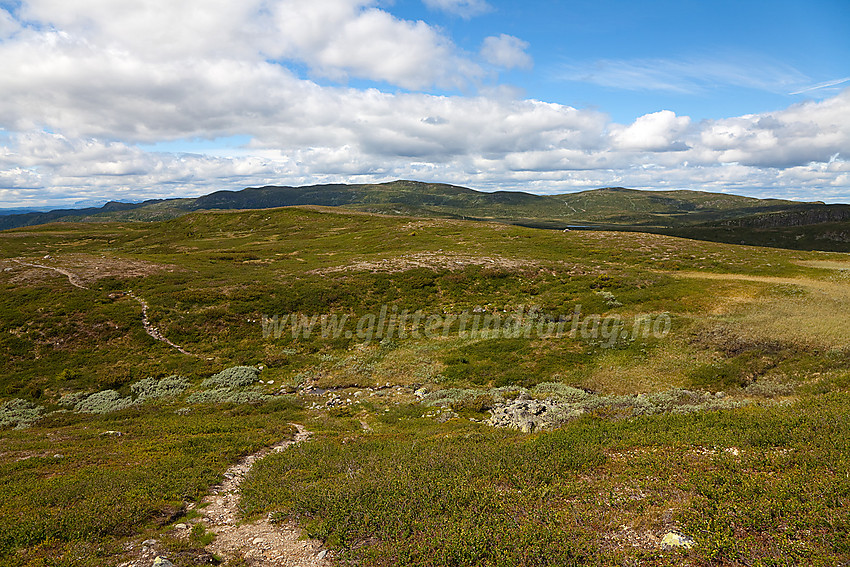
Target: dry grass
x,y
620,373
803,310
825,264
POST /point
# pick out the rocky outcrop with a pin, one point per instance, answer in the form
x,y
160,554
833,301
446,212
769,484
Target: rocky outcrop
x,y
530,415
806,215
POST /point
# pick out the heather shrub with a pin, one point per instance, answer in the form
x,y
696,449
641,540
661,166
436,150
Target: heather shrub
x,y
769,388
233,377
610,299
19,413
562,391
226,396
151,388
72,399
449,396
103,402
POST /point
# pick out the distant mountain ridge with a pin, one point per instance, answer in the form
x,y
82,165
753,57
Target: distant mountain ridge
x,y
677,212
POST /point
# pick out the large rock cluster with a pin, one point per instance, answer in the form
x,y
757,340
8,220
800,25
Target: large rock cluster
x,y
530,415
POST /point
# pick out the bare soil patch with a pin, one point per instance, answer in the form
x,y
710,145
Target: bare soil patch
x,y
430,260
81,269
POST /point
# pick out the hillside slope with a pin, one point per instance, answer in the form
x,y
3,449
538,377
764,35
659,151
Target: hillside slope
x,y
693,214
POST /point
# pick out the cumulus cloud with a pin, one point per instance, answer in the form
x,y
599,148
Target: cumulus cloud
x,y
802,133
656,132
506,51
338,38
82,92
462,8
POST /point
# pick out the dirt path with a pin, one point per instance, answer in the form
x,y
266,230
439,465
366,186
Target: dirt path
x,y
75,281
260,543
72,277
153,331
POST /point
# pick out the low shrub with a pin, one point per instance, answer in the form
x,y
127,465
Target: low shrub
x,y
767,388
103,402
72,399
562,391
19,413
226,396
610,299
151,388
233,377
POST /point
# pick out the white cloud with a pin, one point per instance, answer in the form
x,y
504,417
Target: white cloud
x,y
337,39
803,133
341,38
8,24
687,75
823,85
79,93
506,51
462,8
158,29
656,132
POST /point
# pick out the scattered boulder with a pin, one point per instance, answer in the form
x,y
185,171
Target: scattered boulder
x,y
446,416
672,540
161,561
530,415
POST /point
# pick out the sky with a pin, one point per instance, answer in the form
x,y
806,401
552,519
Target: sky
x,y
104,100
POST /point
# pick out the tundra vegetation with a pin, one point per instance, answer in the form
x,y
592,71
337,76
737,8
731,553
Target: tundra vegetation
x,y
732,428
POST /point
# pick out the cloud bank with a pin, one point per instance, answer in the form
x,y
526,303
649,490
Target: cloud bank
x,y
87,88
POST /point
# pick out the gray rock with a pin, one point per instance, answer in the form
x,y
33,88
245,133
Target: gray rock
x,y
162,562
446,416
149,542
181,527
529,415
322,554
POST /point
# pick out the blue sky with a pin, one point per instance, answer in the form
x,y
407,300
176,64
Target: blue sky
x,y
154,98
703,59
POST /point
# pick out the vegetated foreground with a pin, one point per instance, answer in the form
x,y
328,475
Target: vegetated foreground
x,y
641,385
